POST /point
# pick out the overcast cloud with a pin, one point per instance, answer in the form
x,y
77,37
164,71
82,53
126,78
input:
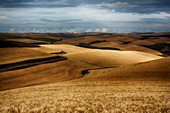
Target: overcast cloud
x,y
84,15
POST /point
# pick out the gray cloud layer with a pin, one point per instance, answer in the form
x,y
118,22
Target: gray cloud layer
x,y
84,15
134,6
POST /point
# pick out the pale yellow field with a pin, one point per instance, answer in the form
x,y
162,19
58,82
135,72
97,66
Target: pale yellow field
x,y
65,47
103,58
46,49
109,58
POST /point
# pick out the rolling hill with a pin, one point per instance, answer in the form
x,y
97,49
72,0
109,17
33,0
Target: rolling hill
x,y
79,59
103,58
155,70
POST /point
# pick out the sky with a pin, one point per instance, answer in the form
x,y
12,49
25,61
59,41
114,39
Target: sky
x,y
113,16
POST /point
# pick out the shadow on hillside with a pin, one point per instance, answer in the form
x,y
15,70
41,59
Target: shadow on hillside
x,y
5,44
29,63
88,45
161,47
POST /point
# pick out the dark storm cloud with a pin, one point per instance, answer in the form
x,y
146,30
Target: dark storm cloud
x,y
135,6
151,6
130,6
37,3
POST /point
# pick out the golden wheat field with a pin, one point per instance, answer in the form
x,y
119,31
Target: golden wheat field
x,y
89,97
